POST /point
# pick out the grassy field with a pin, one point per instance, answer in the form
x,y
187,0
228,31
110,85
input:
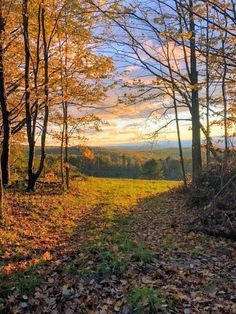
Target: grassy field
x,y
109,246
42,226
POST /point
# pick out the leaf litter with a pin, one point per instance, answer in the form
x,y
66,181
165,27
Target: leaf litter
x,y
116,257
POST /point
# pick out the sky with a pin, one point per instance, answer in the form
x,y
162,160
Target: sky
x,y
136,129
132,123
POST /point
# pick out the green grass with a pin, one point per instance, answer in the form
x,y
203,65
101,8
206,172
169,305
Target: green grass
x,y
143,255
109,236
24,282
27,282
147,299
107,248
128,246
168,243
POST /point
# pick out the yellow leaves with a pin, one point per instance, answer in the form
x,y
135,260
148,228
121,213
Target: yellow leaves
x,y
194,86
186,36
118,305
114,6
102,2
164,34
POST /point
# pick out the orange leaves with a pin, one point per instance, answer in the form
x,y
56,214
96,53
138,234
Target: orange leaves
x,y
28,233
88,154
47,256
9,268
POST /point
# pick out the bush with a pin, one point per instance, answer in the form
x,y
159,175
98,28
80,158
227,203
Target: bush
x,y
215,197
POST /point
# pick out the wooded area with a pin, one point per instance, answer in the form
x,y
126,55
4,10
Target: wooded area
x,y
62,64
48,64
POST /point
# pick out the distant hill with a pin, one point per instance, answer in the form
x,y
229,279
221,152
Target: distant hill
x,y
149,146
141,154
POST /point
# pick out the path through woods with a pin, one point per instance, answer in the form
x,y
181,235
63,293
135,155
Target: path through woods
x,y
112,246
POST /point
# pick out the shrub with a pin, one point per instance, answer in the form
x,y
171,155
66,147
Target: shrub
x,y
215,197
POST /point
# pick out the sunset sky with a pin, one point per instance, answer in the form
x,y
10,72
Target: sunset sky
x,y
132,123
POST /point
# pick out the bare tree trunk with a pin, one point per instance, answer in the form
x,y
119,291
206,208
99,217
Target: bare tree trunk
x,y
180,144
5,155
2,213
46,95
224,95
63,112
62,156
207,91
6,146
31,176
225,104
31,120
31,141
196,129
176,116
66,111
67,147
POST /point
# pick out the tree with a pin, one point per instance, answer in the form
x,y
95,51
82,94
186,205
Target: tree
x,y
196,129
83,76
2,213
5,156
10,80
146,30
152,169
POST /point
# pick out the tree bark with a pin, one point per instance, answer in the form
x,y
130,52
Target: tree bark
x,y
2,213
224,96
31,141
5,155
196,128
207,90
62,156
46,95
66,110
31,116
176,117
67,147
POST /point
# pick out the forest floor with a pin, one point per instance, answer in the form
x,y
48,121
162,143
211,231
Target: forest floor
x,y
111,246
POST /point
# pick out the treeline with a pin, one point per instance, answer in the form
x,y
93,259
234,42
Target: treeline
x,y
120,166
102,162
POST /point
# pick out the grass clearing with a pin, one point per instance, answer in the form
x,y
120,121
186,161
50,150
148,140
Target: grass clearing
x,y
109,245
43,224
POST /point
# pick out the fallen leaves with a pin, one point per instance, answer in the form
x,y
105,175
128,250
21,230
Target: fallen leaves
x,y
93,263
47,256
